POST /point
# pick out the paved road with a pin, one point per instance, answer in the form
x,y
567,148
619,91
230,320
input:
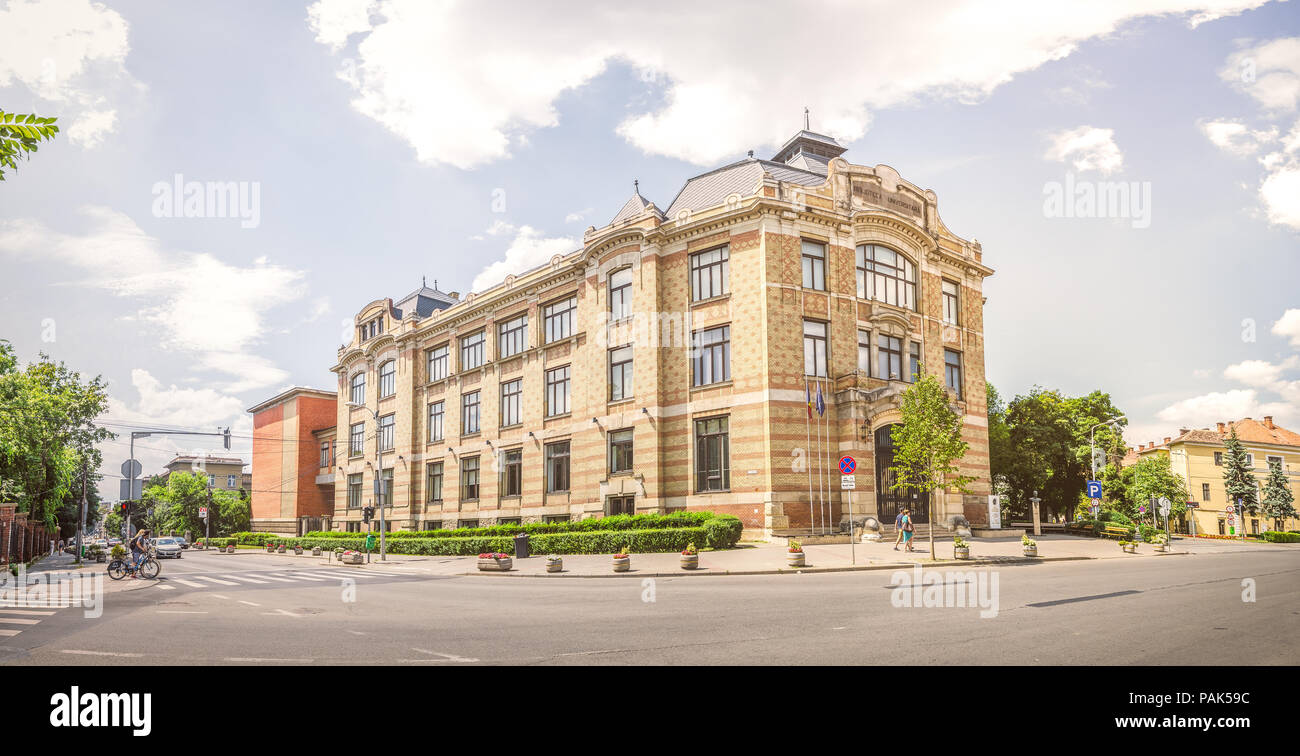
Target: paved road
x,y
209,609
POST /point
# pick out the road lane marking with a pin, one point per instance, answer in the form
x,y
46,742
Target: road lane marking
x,y
19,621
445,657
244,579
189,583
270,577
177,611
30,612
100,653
219,581
250,603
298,576
356,632
262,659
218,595
166,587
281,611
9,633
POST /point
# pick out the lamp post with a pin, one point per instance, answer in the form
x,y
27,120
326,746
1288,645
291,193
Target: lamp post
x,y
379,480
1092,441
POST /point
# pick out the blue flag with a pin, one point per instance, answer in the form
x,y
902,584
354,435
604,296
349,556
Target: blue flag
x,y
821,403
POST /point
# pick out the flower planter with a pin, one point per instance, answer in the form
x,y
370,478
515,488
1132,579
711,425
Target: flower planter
x,y
1160,547
297,550
794,558
1031,551
690,561
355,557
554,564
1130,549
315,551
270,548
961,553
279,550
622,564
495,565
230,549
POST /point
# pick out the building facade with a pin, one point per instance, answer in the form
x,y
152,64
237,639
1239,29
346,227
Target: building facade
x,y
669,363
1196,455
293,461
222,473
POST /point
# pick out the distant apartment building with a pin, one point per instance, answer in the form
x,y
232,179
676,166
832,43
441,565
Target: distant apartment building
x,y
222,473
293,455
668,364
1196,456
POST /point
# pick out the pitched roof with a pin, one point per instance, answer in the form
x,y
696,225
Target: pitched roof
x,y
1249,430
635,205
713,188
423,301
809,143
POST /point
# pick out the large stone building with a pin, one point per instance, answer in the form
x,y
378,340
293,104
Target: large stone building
x,y
1196,456
293,461
222,473
664,365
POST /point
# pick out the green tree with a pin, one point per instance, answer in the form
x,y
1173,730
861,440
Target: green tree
x,y
1153,477
20,135
1237,476
1279,502
175,506
927,445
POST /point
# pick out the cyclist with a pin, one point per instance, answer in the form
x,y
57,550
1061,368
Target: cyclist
x,y
139,549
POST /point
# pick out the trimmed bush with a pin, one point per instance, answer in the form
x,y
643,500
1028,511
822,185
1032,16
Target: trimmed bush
x,y
591,542
1274,536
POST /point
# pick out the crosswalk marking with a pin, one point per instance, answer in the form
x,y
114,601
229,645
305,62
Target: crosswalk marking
x,y
300,576
341,575
18,621
189,583
30,612
218,581
9,633
244,579
270,577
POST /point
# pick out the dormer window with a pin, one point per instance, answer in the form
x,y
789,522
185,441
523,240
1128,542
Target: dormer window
x,y
372,328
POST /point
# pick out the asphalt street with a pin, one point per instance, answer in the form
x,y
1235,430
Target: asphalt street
x,y
210,609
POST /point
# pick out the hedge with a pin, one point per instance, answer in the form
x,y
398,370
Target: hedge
x,y
613,522
1274,536
596,542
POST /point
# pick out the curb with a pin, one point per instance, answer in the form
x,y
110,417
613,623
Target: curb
x,y
787,571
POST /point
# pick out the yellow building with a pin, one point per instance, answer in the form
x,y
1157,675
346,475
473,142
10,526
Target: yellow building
x,y
1197,456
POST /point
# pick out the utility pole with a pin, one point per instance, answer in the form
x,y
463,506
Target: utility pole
x,y
81,521
379,481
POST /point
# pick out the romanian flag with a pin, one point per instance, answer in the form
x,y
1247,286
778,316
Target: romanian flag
x,y
808,396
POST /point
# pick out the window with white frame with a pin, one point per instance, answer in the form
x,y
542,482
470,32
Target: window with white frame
x,y
357,439
951,299
469,413
387,424
620,295
436,414
388,379
814,348
357,394
557,391
813,257
620,373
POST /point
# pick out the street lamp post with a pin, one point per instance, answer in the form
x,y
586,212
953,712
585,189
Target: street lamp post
x,y
380,492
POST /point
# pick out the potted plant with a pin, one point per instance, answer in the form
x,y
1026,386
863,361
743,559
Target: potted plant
x,y
794,554
622,561
352,557
494,562
690,557
338,553
270,547
1030,546
315,550
297,549
230,547
554,564
118,552
1129,547
279,548
960,548
1160,542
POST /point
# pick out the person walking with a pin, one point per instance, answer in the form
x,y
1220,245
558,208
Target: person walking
x,y
898,528
907,529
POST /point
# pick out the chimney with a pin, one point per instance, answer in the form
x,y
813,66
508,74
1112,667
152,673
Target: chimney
x,y
1151,444
1166,439
1183,431
1268,422
1222,429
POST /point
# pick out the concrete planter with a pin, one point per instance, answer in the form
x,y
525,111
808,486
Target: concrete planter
x,y
279,550
794,559
495,565
297,550
357,558
315,551
270,548
230,549
1031,551
1130,548
690,561
1162,548
554,564
622,564
961,553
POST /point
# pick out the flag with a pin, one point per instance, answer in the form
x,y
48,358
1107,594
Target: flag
x,y
821,403
807,394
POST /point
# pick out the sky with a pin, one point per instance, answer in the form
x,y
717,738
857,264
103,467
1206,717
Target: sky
x,y
370,143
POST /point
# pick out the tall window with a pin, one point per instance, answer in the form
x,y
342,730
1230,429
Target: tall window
x,y
952,370
557,391
889,350
512,472
438,363
620,294
864,352
710,273
511,391
468,478
814,348
915,356
434,478
358,392
712,363
892,276
357,439
557,319
471,351
712,466
950,302
620,373
620,451
386,425
354,491
435,421
814,265
1205,492
469,417
230,481
512,336
557,467
1218,458
325,458
388,379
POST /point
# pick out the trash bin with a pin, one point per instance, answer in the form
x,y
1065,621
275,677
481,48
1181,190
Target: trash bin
x,y
521,546
370,542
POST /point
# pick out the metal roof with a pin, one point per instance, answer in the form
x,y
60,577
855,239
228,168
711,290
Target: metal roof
x,y
713,188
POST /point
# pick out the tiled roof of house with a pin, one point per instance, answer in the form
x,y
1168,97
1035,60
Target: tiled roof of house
x,y
1249,430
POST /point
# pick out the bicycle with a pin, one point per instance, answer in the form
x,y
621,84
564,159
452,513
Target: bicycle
x,y
148,569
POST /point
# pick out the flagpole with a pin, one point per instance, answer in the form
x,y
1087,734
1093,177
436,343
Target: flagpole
x,y
830,487
807,434
821,473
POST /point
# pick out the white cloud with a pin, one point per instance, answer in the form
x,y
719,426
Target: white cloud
x,y
1260,373
1288,327
1089,148
72,54
1280,193
578,215
527,250
199,303
1235,137
463,82
1268,72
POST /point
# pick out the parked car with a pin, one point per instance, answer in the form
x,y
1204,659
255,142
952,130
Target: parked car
x,y
167,546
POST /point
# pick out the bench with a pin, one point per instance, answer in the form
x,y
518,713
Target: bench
x,y
1115,531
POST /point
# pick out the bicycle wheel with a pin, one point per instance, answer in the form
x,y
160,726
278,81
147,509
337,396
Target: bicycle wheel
x,y
116,570
150,568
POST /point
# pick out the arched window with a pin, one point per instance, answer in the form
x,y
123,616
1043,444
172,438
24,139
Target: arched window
x,y
358,393
388,379
886,276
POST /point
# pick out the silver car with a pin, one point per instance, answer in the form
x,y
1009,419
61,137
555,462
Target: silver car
x,y
167,547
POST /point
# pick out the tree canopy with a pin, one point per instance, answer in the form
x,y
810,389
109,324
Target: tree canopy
x,y
21,135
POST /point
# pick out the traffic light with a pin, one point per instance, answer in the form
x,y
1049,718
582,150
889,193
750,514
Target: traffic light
x,y
367,513
124,509
225,437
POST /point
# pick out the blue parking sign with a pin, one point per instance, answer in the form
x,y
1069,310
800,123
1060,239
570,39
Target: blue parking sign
x,y
1094,489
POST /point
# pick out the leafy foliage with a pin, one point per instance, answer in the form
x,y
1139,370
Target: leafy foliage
x,y
20,135
1279,502
1237,476
174,507
928,442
